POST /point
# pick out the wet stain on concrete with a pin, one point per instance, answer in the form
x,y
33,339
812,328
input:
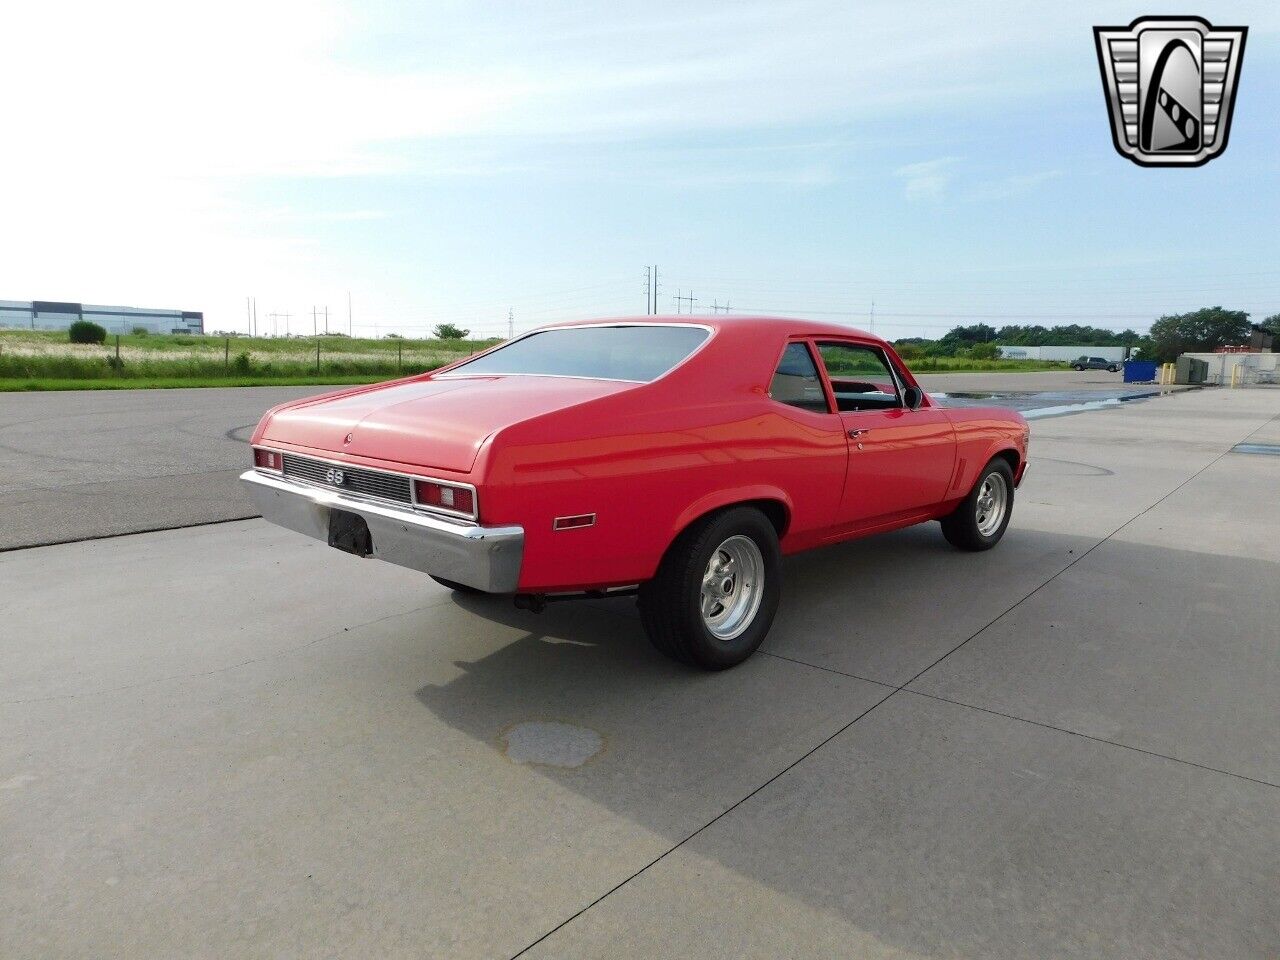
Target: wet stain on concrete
x,y
550,743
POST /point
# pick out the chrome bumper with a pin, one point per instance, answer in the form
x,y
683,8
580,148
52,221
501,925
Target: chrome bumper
x,y
487,558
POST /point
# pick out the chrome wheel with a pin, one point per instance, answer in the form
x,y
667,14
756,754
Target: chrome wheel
x,y
992,503
732,586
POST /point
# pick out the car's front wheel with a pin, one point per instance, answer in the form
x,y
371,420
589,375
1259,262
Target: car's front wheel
x,y
1112,369
980,520
716,591
1077,367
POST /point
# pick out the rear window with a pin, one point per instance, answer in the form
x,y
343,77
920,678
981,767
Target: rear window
x,y
640,353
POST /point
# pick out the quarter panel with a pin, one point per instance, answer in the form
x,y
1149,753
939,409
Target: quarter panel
x,y
646,473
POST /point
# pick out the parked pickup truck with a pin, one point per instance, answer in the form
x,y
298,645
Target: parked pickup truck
x,y
671,458
1094,363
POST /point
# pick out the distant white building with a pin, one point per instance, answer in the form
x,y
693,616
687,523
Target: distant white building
x,y
58,315
1013,352
1249,368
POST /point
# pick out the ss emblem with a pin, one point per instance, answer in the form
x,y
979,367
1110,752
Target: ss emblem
x,y
335,477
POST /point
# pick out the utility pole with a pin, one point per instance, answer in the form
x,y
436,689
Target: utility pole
x,y
648,290
326,319
873,316
351,332
255,316
655,288
286,322
248,316
690,299
511,323
315,327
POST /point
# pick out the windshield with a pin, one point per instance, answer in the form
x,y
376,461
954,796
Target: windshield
x,y
640,353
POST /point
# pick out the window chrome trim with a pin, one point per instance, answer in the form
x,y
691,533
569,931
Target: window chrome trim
x,y
474,516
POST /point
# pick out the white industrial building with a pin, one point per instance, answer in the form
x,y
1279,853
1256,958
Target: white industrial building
x,y
1066,354
1248,368
58,315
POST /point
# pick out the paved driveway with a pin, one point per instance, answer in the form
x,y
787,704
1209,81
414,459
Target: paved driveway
x,y
231,741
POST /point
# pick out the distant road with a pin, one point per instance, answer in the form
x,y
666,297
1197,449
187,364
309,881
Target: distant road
x,y
94,463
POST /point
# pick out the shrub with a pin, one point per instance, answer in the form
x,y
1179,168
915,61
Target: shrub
x,y
242,364
83,331
447,331
114,362
909,351
140,331
984,351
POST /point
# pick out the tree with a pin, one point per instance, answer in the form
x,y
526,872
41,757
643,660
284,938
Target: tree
x,y
447,331
84,331
1202,331
1272,324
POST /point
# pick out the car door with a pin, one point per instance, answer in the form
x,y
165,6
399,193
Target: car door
x,y
900,460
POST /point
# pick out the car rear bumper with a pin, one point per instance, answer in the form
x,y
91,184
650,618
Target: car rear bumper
x,y
487,558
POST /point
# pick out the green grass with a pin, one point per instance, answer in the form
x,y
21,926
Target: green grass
x,y
965,365
103,367
214,344
175,383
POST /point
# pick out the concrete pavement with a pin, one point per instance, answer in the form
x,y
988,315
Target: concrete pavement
x,y
230,740
95,463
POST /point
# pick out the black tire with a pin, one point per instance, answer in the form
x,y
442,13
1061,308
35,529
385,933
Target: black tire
x,y
671,603
1112,369
456,587
1078,367
962,526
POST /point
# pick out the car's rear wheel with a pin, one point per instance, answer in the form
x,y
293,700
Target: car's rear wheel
x,y
1077,367
456,587
716,591
980,520
1112,369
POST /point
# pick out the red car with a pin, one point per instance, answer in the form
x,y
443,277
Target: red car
x,y
673,458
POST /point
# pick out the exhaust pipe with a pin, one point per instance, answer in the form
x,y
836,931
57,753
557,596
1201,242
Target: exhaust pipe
x,y
537,602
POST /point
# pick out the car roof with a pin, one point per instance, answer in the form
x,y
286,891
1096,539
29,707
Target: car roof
x,y
746,325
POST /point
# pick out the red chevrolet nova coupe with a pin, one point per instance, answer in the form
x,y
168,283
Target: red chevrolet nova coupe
x,y
674,458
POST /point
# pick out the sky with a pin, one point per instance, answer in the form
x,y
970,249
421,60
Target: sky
x,y
948,163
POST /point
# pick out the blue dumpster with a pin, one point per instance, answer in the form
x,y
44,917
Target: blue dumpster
x,y
1139,371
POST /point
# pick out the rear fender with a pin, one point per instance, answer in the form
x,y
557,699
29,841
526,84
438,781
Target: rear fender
x,y
727,498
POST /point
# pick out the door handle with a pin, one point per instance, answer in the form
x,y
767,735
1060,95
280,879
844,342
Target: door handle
x,y
854,434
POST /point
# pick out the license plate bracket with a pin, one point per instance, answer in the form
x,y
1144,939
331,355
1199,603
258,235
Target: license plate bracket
x,y
350,533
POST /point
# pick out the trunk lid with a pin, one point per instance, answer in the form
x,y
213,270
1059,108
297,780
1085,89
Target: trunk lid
x,y
430,423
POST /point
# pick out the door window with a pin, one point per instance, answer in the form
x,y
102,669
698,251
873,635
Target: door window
x,y
796,381
860,377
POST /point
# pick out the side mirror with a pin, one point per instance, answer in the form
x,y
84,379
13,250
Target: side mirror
x,y
912,397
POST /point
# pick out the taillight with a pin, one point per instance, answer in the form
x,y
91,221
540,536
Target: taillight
x,y
445,496
266,459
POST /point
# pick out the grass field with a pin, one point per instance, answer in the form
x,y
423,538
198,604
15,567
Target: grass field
x,y
45,360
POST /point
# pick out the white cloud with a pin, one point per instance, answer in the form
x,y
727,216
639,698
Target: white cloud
x,y
928,179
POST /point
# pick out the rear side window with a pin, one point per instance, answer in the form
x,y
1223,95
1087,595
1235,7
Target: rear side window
x,y
639,353
796,382
860,377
